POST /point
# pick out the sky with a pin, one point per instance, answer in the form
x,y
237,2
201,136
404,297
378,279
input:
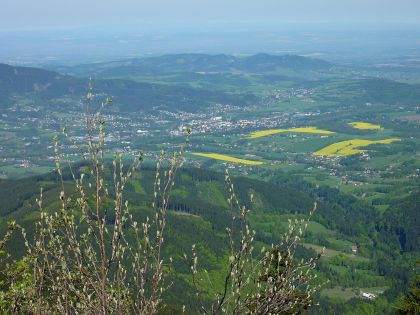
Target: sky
x,y
53,14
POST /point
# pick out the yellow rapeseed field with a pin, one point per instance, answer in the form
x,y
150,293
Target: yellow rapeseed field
x,y
364,125
313,130
228,158
349,147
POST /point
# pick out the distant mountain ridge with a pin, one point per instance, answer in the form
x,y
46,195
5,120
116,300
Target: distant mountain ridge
x,y
16,79
260,63
114,78
45,85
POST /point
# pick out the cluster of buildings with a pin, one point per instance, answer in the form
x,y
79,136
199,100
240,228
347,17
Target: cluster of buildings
x,y
211,123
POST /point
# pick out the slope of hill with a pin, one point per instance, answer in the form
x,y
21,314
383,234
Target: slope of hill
x,y
199,215
129,96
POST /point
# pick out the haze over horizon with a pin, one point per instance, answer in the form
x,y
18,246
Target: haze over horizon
x,y
44,31
49,14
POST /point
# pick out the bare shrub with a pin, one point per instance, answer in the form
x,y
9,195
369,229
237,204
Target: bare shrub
x,y
270,282
83,259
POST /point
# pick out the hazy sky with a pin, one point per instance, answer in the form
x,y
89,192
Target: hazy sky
x,y
35,14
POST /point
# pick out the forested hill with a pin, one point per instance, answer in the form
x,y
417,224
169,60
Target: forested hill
x,y
47,88
199,215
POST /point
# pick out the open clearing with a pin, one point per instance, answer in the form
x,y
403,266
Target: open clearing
x,y
346,294
228,158
349,147
364,125
329,253
410,118
264,133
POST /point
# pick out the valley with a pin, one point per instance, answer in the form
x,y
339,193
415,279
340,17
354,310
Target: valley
x,y
291,130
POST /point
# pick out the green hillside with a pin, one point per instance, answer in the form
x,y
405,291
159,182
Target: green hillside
x,y
199,215
52,89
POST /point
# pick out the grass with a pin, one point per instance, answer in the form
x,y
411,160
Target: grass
x,y
349,147
349,293
341,270
364,125
313,130
319,178
343,244
318,229
340,293
180,193
12,171
228,158
138,188
329,253
212,194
